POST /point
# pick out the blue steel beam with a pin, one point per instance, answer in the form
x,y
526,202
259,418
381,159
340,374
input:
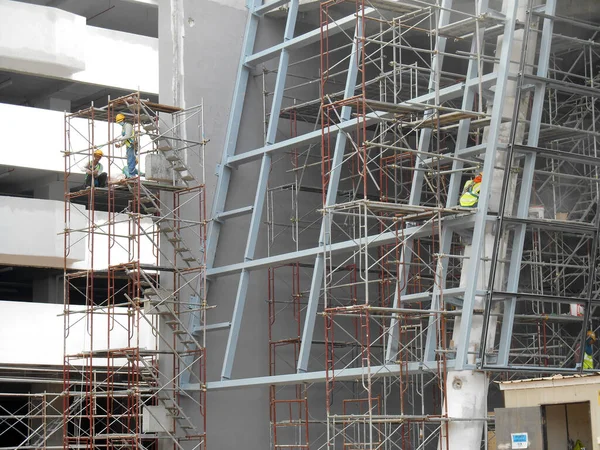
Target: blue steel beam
x,y
389,370
301,255
462,341
418,178
448,93
330,199
259,198
537,110
399,298
262,10
233,128
453,196
303,40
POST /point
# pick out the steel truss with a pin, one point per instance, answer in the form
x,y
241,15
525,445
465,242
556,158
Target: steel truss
x,y
134,317
414,99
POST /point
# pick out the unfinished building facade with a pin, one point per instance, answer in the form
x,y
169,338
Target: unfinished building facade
x,y
313,280
385,306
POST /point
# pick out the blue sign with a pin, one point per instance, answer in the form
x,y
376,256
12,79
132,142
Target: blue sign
x,y
519,440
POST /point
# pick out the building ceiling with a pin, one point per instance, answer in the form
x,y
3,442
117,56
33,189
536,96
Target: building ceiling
x,y
120,15
31,90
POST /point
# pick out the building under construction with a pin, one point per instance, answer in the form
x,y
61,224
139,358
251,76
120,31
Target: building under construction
x,y
294,267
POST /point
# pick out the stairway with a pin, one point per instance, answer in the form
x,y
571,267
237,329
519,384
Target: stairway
x,y
167,144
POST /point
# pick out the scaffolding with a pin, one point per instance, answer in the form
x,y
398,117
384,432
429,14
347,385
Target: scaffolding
x,y
394,299
134,315
31,421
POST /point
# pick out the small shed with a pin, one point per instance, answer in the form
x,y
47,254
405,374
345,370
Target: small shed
x,y
550,413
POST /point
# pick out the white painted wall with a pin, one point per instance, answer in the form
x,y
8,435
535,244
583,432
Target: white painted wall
x,y
53,43
29,230
120,250
34,138
122,60
38,329
34,38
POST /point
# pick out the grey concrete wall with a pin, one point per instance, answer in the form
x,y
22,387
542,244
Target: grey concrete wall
x,y
211,56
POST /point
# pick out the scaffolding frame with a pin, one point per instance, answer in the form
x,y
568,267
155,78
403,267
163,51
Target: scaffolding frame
x,y
414,98
135,316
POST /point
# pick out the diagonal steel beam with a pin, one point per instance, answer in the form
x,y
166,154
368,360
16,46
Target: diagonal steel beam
x,y
330,199
233,128
259,198
462,340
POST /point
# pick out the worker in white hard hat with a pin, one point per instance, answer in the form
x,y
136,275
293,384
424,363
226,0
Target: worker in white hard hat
x,y
127,138
93,170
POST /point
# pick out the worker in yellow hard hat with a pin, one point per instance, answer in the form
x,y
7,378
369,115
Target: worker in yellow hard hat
x,y
94,170
588,359
470,193
127,138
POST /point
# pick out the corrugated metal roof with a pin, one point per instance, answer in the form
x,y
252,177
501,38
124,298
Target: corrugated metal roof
x,y
553,381
552,378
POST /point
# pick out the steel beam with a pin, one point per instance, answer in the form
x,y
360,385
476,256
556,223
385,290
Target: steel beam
x,y
330,199
399,297
462,341
448,93
259,198
300,255
418,178
233,128
453,196
352,374
262,10
197,331
514,271
303,40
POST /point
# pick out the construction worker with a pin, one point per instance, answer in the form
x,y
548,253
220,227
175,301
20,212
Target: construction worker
x,y
93,170
128,139
470,193
588,359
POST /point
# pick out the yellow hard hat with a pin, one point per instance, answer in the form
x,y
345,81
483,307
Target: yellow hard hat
x,y
120,118
591,335
98,152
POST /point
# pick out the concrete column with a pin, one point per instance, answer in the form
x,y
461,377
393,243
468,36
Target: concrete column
x,y
48,289
54,104
54,190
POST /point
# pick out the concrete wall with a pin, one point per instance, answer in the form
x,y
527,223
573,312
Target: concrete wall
x,y
53,43
30,233
534,393
25,323
210,59
211,54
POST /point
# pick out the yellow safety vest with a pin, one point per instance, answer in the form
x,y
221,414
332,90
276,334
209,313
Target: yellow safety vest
x,y
130,142
588,361
470,196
